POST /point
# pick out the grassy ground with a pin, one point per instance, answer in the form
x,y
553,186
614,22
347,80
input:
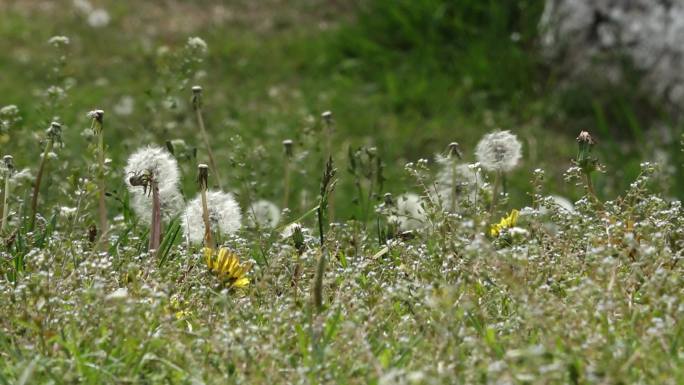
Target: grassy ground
x,y
589,296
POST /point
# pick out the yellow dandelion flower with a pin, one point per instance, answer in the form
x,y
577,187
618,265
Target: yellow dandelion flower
x,y
505,223
227,267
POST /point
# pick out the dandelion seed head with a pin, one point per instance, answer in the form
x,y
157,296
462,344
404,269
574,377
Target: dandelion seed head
x,y
224,216
159,162
171,204
125,106
499,151
263,213
409,214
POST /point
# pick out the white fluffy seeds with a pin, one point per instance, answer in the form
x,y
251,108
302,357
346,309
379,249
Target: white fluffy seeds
x,y
263,213
499,151
224,216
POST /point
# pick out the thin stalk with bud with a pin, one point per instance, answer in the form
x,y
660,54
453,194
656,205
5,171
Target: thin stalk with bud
x,y
329,129
197,106
202,180
9,168
587,163
53,134
97,126
327,186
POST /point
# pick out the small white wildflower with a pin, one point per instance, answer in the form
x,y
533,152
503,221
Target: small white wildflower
x,y
9,110
197,44
499,151
67,211
160,163
125,106
98,18
224,216
409,214
58,41
23,176
263,213
120,293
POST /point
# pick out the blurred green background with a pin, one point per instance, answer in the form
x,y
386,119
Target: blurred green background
x,y
407,77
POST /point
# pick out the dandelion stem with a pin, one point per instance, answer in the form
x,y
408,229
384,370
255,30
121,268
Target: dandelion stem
x,y
197,105
98,118
202,179
155,229
318,282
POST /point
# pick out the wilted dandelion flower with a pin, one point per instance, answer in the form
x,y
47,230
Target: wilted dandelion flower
x,y
159,163
263,213
227,267
409,213
506,222
224,216
499,151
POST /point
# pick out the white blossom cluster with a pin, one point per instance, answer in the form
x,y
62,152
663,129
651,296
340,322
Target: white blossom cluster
x,y
596,34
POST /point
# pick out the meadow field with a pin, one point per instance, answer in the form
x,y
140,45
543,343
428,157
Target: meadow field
x,y
321,191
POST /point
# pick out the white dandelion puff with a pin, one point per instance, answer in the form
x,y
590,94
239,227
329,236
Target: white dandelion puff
x,y
125,106
263,213
171,204
224,216
409,213
499,151
159,163
562,204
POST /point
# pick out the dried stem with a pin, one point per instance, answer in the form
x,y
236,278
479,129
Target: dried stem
x,y
197,105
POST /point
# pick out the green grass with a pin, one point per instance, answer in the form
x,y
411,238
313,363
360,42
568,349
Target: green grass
x,y
588,297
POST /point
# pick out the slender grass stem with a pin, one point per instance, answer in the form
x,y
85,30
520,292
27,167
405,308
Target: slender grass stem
x,y
197,105
5,200
98,118
39,178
